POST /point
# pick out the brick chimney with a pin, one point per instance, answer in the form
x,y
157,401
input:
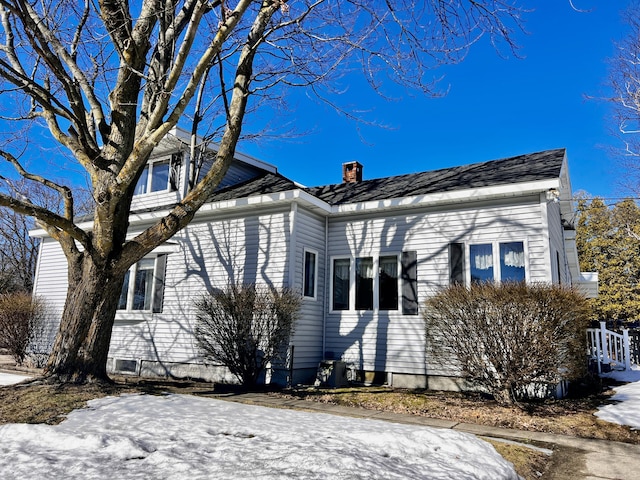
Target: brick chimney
x,y
351,172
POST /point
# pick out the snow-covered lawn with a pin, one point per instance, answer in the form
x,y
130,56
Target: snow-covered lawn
x,y
10,378
627,412
188,437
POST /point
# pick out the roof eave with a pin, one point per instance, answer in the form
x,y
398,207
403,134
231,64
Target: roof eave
x,y
273,199
455,196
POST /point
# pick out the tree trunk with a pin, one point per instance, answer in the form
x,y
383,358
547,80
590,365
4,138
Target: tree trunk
x,y
81,347
504,396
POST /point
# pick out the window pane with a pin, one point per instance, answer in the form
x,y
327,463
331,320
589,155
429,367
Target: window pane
x,y
388,283
124,293
364,283
410,282
141,186
309,274
341,283
456,263
160,176
481,260
512,262
143,285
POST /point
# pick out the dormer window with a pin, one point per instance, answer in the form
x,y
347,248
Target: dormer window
x,y
159,176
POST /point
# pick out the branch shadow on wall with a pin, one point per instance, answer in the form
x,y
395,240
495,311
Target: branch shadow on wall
x,y
212,256
379,341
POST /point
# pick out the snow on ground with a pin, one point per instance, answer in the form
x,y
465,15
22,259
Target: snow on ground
x,y
627,411
10,378
188,437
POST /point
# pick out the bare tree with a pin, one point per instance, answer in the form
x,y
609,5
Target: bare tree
x,y
625,82
18,251
109,80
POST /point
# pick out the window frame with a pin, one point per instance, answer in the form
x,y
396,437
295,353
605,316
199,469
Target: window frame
x,y
398,277
361,296
524,260
173,164
350,284
156,292
494,268
375,282
496,261
313,252
457,263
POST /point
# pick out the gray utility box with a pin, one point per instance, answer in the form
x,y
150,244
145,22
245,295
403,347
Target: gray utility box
x,y
332,373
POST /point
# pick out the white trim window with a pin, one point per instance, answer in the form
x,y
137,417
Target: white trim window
x,y
143,286
508,266
481,263
374,283
388,282
340,283
159,176
364,283
512,262
310,274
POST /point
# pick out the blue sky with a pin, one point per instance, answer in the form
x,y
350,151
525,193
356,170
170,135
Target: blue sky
x,y
495,107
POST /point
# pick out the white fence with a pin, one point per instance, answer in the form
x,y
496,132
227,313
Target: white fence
x,y
609,348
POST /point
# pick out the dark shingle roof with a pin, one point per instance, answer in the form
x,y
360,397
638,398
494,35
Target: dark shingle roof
x,y
263,184
523,168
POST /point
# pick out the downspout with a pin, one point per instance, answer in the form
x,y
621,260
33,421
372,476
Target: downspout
x,y
293,244
293,248
327,269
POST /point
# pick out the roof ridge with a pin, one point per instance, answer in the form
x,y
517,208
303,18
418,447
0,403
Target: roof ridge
x,y
468,166
516,169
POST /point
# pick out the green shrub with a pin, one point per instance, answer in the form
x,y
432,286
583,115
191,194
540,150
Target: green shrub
x,y
509,338
21,319
245,327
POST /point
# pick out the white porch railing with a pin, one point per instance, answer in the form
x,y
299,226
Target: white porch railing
x,y
609,347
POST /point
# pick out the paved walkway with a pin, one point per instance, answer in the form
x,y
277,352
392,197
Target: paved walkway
x,y
574,458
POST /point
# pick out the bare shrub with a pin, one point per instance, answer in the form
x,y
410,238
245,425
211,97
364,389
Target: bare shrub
x,y
509,338
245,327
21,319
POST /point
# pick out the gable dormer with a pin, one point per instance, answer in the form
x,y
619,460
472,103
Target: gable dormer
x,y
161,181
165,179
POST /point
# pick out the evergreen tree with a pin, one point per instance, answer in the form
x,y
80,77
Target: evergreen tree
x,y
608,241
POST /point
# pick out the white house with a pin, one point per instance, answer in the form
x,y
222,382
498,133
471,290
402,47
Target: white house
x,y
364,254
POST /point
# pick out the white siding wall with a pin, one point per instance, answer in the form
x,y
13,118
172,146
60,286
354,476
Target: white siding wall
x,y
556,243
255,248
307,340
252,249
390,341
51,284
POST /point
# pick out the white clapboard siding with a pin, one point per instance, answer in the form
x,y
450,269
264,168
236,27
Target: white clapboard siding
x,y
390,341
557,243
250,249
307,338
51,286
